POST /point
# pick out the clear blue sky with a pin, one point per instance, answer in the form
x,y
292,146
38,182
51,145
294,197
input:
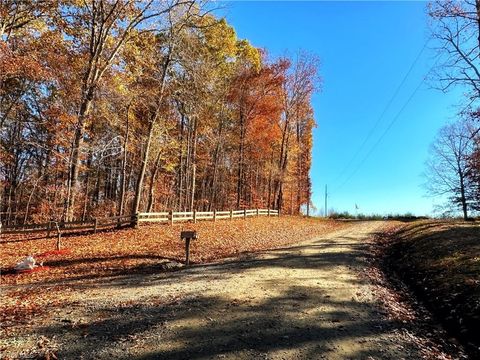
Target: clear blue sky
x,y
366,48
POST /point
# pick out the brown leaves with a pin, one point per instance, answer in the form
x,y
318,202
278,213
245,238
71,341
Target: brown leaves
x,y
136,250
433,261
15,65
126,248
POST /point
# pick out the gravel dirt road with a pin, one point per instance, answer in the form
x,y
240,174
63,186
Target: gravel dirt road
x,y
308,301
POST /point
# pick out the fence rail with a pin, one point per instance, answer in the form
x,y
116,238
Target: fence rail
x,y
175,216
70,226
169,217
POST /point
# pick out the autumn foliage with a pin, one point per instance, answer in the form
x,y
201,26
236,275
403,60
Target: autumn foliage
x,y
116,107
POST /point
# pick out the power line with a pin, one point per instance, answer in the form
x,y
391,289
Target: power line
x,y
387,106
394,120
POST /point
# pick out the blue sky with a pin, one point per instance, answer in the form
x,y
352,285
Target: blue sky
x,y
366,48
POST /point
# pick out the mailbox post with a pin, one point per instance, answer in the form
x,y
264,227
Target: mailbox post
x,y
188,236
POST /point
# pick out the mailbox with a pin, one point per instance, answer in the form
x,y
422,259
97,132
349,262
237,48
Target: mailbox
x,y
192,235
188,236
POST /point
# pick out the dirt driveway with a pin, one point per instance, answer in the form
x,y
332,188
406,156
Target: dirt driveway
x,y
303,302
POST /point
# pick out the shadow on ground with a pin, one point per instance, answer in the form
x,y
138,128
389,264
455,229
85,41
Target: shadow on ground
x,y
292,320
325,257
439,261
200,328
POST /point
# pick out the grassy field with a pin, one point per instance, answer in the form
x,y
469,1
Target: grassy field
x,y
440,261
144,250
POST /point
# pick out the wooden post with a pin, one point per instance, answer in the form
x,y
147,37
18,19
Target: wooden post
x,y
59,234
231,214
49,229
170,217
194,216
244,213
268,212
258,213
95,225
135,220
214,215
188,236
187,252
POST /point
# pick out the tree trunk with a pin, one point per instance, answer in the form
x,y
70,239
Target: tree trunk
x,y
139,188
216,155
152,183
181,162
87,184
76,150
143,168
194,165
463,199
282,168
240,161
30,200
123,184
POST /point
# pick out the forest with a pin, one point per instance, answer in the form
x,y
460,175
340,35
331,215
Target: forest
x,y
112,107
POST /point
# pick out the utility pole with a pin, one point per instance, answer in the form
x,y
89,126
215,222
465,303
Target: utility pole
x,y
326,196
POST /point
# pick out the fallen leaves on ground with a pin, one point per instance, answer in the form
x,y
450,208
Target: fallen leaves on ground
x,y
413,267
140,250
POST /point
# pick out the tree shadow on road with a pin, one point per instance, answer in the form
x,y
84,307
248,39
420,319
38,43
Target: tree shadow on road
x,y
153,270
297,322
293,321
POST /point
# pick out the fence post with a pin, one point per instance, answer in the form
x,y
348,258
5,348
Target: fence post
x,y
135,220
231,214
59,234
170,217
244,213
258,214
268,212
194,216
214,215
95,225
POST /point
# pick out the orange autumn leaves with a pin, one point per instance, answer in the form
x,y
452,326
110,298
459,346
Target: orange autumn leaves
x,y
102,119
124,251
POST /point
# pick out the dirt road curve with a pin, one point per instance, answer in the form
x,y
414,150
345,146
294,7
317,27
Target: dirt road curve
x,y
302,302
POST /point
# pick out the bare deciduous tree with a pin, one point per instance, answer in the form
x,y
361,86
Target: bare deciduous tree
x,y
448,167
456,27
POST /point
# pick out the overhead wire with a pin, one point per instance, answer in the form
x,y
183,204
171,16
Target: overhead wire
x,y
377,123
387,129
385,109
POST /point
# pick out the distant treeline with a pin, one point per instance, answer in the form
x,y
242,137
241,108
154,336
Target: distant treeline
x,y
400,217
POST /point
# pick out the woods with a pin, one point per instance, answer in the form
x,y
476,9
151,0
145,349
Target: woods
x,y
111,107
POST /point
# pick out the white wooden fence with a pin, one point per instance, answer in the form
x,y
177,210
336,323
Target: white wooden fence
x,y
174,216
168,217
